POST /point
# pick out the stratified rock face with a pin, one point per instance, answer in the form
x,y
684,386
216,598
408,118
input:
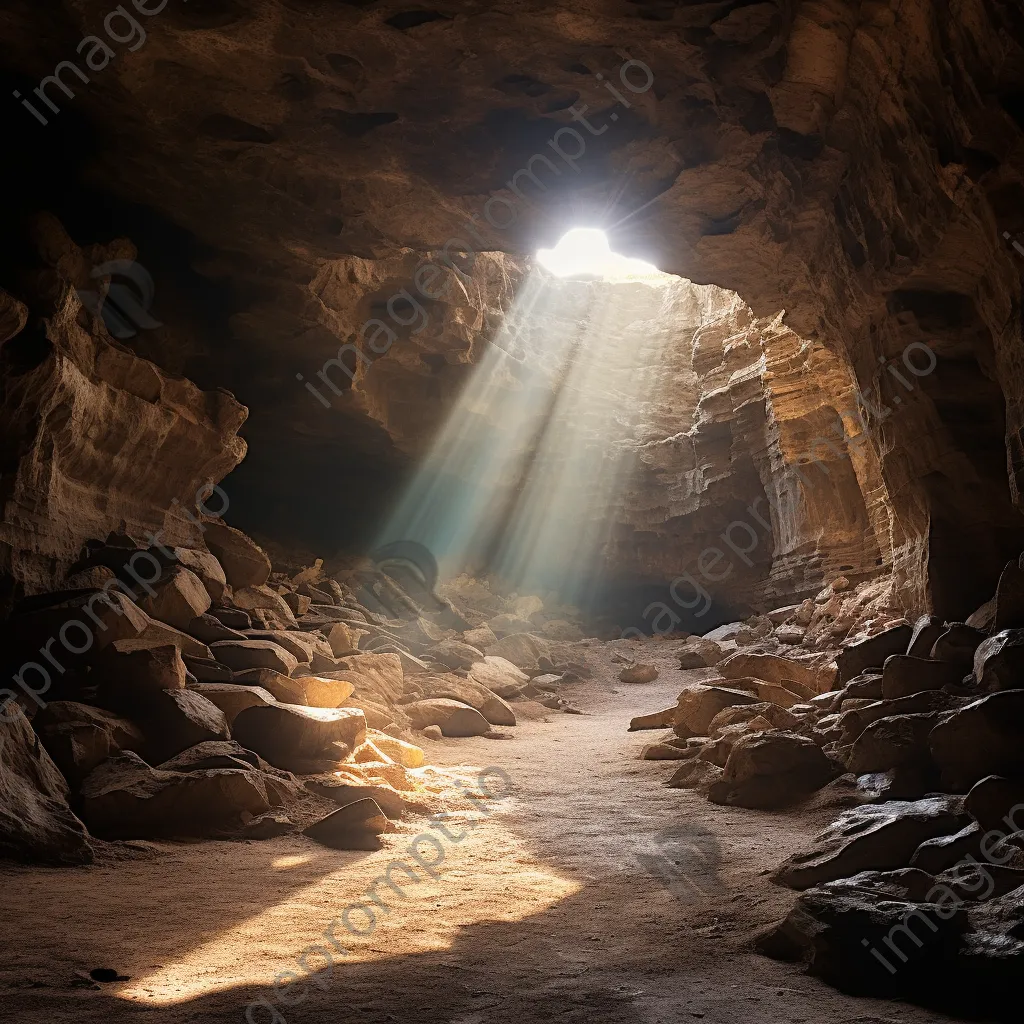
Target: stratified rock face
x,y
859,168
95,438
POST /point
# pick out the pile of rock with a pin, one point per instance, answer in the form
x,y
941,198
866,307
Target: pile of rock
x,y
180,692
918,889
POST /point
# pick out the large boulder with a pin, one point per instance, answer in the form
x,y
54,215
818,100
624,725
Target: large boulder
x,y
176,598
470,692
127,667
983,738
997,804
770,769
355,826
323,691
699,704
453,654
903,675
500,676
798,677
872,652
173,720
36,823
240,655
209,570
999,661
124,798
208,628
267,605
927,630
875,837
452,717
855,720
233,698
300,739
79,737
957,645
535,655
377,676
894,742
244,562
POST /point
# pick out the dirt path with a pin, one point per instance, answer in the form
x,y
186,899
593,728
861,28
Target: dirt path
x,y
593,893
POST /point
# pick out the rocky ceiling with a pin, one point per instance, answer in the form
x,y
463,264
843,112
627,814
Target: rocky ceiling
x,y
286,166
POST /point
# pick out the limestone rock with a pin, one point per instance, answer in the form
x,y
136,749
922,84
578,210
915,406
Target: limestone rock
x,y
481,637
893,742
873,837
177,598
454,655
79,737
240,655
452,717
344,638
267,604
872,652
127,666
207,568
352,827
981,739
470,692
533,655
323,692
232,698
300,739
124,798
377,676
173,720
699,704
772,769
36,823
209,629
638,673
244,562
903,675
798,677
999,661
656,720
499,675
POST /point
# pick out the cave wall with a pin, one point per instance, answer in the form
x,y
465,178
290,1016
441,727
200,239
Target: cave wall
x,y
855,164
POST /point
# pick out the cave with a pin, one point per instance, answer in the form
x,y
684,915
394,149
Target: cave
x,y
637,382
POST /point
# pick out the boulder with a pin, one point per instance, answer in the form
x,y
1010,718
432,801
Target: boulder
x,y
452,717
791,636
233,618
894,742
481,638
244,562
872,652
173,720
324,692
957,645
377,676
870,943
656,720
699,704
943,852
240,655
867,684
304,646
772,769
208,628
700,652
79,737
300,739
158,634
798,677
737,714
408,755
233,698
999,661
344,638
124,798
36,823
499,675
126,667
470,692
697,775
1009,610
664,752
983,738
983,617
534,655
505,625
355,826
176,598
282,688
298,603
454,655
873,837
638,673
927,630
267,604
903,675
856,720
997,804
206,670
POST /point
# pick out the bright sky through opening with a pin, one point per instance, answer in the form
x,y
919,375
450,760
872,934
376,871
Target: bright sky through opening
x,y
586,252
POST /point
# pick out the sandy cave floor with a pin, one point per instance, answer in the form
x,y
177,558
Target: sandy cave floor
x,y
592,894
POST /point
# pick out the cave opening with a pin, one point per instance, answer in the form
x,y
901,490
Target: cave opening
x,y
512,510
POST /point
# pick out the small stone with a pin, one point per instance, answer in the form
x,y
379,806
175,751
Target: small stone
x,y
638,673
